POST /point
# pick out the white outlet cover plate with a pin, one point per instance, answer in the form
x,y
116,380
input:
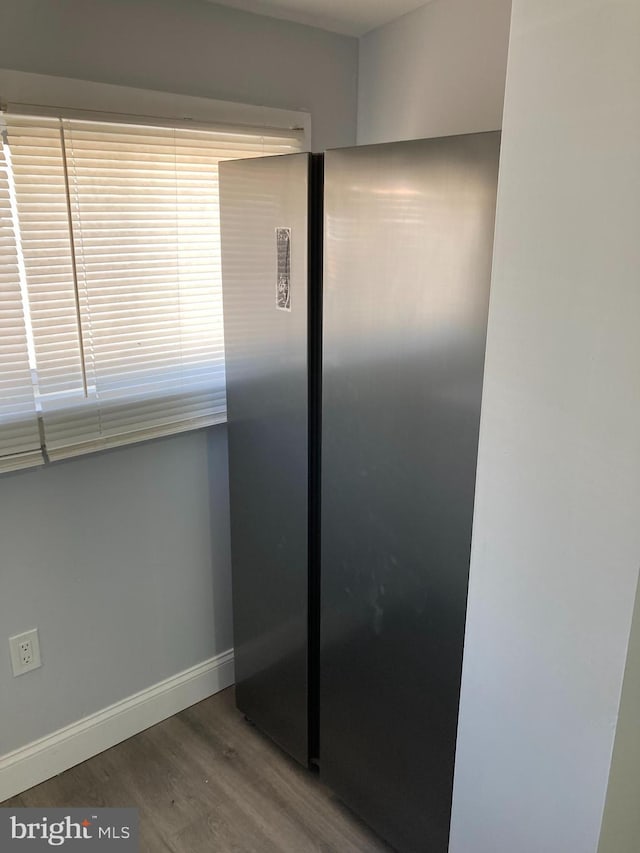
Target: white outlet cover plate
x,y
16,660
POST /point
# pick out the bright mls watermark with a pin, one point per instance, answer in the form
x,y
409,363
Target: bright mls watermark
x,y
69,829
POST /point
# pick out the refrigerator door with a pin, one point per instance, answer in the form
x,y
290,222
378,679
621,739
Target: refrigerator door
x,y
407,263
264,205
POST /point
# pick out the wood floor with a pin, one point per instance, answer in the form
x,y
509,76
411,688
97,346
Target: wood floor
x,y
205,780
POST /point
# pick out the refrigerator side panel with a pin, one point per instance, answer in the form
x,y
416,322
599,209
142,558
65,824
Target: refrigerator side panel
x,y
407,265
264,225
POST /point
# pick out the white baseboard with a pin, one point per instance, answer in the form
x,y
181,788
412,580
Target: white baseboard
x,y
40,760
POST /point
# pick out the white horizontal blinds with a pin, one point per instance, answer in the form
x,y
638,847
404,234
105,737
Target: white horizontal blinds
x,y
119,257
144,208
39,172
19,436
152,345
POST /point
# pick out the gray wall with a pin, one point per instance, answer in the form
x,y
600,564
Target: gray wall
x,y
436,71
191,47
556,543
621,824
122,559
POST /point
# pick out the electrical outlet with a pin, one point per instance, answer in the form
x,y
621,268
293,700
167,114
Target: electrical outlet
x,y
25,652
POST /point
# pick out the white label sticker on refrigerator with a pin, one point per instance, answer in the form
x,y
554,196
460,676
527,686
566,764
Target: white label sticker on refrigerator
x,y
283,283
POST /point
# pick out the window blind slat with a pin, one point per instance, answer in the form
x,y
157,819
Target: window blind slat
x,y
121,248
19,434
39,170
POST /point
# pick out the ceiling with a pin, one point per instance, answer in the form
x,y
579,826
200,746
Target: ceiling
x,y
352,17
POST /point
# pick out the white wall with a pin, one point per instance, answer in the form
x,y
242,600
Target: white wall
x,y
130,548
121,560
191,47
436,71
556,543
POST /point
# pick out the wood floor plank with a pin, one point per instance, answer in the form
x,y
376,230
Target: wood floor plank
x,y
13,803
280,786
207,780
240,784
76,788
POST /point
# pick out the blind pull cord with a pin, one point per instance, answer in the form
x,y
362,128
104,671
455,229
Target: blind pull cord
x,y
74,266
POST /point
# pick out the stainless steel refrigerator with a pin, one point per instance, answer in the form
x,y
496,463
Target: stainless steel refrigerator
x,y
353,428
271,225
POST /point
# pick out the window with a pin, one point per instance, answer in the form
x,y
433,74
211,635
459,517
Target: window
x,y
111,284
